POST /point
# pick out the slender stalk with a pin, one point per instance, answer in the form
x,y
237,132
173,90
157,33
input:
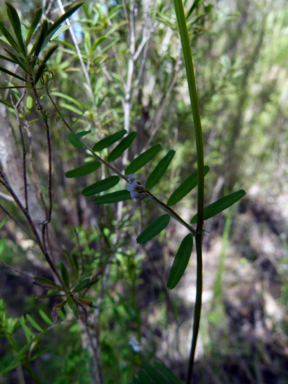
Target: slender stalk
x,y
187,53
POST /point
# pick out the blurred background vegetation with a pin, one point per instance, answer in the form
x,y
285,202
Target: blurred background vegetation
x,y
240,54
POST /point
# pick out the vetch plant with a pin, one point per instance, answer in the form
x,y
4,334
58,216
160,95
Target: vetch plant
x,y
71,287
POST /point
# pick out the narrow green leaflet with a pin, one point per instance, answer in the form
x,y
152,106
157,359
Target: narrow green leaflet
x,y
84,170
39,72
33,323
180,262
185,187
135,381
113,197
142,159
15,22
219,205
49,53
18,60
33,26
109,140
122,146
36,49
144,378
81,285
12,74
53,28
159,171
74,139
45,317
3,222
161,367
64,275
153,229
48,282
72,305
69,98
155,375
97,42
101,186
9,37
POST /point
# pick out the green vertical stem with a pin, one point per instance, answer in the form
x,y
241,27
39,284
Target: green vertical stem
x,y
187,53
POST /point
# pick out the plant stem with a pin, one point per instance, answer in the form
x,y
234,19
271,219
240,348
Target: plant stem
x,y
187,53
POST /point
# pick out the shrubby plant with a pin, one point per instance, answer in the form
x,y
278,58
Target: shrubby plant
x,y
28,51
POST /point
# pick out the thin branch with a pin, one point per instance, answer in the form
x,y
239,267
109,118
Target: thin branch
x,y
15,221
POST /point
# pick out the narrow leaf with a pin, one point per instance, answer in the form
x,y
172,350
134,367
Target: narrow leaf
x,y
142,159
122,146
39,44
18,61
69,98
74,139
109,140
9,37
57,309
49,53
161,367
101,186
33,323
220,205
15,22
53,28
72,305
8,59
11,73
39,72
45,317
33,26
97,42
153,229
113,197
80,285
84,170
156,376
48,282
145,379
159,171
64,275
185,187
180,262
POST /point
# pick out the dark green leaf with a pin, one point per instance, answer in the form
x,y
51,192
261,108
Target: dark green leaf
x,y
101,186
18,61
113,197
122,146
8,59
76,264
48,282
39,72
97,42
74,139
33,26
135,381
11,73
49,53
45,317
161,367
64,274
6,103
142,159
72,305
185,187
15,22
109,140
84,170
156,376
180,262
33,323
159,171
219,205
9,37
145,379
153,229
56,309
39,44
194,5
81,285
53,28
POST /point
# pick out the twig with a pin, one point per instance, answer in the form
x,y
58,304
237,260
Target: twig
x,y
15,221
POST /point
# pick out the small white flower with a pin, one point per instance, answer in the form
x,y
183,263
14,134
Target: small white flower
x,y
136,189
135,344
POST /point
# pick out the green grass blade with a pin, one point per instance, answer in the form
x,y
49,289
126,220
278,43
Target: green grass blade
x,y
122,146
159,171
153,229
185,187
84,170
109,140
180,262
142,159
113,197
220,205
101,186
